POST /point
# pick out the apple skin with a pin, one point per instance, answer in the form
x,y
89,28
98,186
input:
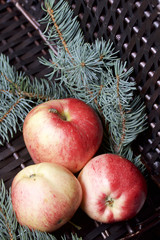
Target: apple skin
x,y
69,137
113,188
45,196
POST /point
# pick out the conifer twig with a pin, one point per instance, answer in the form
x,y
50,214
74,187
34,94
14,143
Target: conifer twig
x,y
122,117
18,94
94,74
10,109
51,13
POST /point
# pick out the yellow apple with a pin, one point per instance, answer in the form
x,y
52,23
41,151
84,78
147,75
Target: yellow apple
x,y
45,196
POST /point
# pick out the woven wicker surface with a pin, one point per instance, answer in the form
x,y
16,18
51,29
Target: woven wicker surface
x,y
119,21
22,43
134,28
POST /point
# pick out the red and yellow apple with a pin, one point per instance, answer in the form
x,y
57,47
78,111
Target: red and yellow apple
x,y
45,196
66,131
113,188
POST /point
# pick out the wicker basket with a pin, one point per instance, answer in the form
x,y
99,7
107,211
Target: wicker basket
x,y
134,28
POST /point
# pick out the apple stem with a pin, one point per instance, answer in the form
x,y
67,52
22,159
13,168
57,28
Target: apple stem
x,y
76,226
53,110
32,175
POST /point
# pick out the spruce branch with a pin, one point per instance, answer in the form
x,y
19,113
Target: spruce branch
x,y
18,94
122,109
94,74
8,223
13,110
59,27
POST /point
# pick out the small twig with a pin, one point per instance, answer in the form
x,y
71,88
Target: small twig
x,y
10,109
50,12
34,24
22,93
9,230
122,116
10,81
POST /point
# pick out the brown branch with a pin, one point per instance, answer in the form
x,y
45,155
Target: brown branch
x,y
10,81
101,57
29,95
10,109
50,12
122,116
9,230
22,93
1,90
33,95
95,99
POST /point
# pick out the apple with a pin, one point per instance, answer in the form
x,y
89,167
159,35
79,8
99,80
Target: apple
x,y
113,188
45,196
65,131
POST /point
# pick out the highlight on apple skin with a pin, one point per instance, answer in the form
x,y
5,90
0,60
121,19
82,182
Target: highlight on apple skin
x,y
66,131
45,196
113,188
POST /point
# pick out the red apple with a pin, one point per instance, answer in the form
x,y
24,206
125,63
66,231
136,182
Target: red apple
x,y
113,188
65,131
45,196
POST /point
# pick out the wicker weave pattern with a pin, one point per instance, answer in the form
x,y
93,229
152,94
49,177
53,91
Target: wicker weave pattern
x,y
137,43
134,28
23,45
18,37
